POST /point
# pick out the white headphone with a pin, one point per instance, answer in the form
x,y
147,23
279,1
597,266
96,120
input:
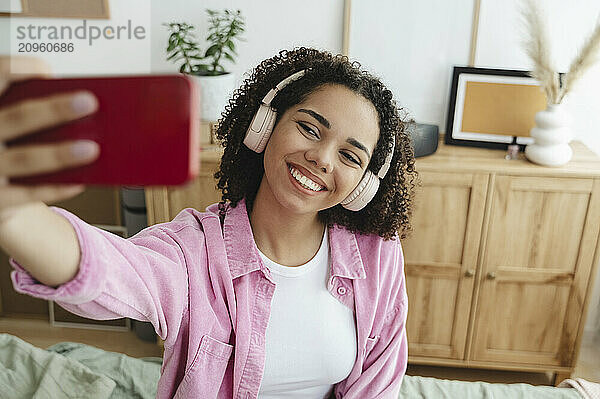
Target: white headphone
x,y
261,128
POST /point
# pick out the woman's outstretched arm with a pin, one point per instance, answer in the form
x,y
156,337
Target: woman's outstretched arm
x,y
43,242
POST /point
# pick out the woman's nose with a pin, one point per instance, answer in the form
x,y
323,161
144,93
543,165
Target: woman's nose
x,y
321,160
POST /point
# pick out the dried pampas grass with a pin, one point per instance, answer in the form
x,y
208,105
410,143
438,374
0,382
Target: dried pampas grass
x,y
583,61
537,48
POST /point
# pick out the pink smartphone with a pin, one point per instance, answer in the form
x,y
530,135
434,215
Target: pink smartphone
x,y
146,126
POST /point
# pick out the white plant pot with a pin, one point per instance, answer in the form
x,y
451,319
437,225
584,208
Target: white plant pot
x,y
214,94
552,136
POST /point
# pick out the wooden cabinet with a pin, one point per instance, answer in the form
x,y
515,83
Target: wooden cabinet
x,y
500,263
164,203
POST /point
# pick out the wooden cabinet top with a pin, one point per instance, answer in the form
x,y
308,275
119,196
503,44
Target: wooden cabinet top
x,y
452,158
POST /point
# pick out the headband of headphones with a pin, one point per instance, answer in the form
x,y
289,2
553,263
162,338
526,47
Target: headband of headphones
x,y
273,92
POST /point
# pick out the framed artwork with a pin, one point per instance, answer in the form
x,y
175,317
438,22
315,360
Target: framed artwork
x,y
85,9
492,108
12,7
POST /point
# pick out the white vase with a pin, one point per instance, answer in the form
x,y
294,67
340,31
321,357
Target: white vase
x,y
551,135
214,94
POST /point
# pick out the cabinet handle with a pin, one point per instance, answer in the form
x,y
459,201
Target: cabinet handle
x,y
491,275
470,273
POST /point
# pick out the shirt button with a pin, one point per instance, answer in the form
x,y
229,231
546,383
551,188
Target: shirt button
x,y
341,290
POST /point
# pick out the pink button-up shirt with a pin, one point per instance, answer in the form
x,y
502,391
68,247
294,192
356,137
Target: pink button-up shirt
x,y
208,294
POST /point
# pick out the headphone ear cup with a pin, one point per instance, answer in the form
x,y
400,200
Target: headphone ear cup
x,y
363,193
260,128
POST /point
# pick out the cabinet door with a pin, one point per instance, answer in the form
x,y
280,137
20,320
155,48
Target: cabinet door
x,y
441,258
539,246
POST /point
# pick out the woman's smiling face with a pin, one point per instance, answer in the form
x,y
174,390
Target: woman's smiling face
x,y
328,139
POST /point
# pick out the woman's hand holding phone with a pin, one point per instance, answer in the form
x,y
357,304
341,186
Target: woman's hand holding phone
x,y
145,128
28,116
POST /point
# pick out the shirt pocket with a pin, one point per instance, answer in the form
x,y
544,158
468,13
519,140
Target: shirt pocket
x,y
207,371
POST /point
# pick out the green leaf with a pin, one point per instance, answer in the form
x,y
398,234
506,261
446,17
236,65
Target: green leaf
x,y
229,57
182,68
173,55
201,67
211,50
230,44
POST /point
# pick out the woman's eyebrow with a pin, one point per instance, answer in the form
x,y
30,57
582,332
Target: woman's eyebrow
x,y
326,123
358,144
317,116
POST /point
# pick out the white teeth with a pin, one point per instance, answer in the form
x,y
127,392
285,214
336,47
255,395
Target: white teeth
x,y
305,181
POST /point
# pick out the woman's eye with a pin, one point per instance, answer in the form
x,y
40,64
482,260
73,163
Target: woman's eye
x,y
350,158
308,129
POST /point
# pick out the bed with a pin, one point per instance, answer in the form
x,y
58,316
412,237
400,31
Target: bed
x,y
71,370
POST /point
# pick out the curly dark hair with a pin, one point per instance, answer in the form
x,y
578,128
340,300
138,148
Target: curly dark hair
x,y
241,169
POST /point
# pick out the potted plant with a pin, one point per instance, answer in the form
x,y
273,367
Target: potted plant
x,y
214,81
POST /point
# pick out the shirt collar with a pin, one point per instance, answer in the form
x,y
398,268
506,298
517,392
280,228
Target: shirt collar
x,y
243,256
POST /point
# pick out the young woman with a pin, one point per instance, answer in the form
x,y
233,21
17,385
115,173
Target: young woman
x,y
291,286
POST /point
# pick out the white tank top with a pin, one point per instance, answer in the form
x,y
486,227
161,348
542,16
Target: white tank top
x,y
311,336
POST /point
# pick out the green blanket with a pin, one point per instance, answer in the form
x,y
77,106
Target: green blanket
x,y
71,370
427,387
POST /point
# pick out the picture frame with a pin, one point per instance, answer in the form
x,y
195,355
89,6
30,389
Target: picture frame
x,y
492,108
13,8
79,9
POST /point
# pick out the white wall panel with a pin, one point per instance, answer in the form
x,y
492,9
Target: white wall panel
x,y
412,46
